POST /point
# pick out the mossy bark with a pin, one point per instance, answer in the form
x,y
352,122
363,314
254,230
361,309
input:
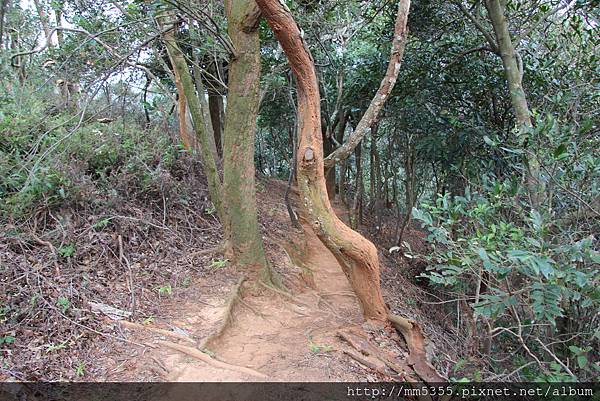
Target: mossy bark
x,y
206,141
239,189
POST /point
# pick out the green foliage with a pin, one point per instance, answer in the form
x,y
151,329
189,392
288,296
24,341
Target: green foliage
x,y
165,290
63,303
7,339
67,251
530,276
80,369
318,348
218,263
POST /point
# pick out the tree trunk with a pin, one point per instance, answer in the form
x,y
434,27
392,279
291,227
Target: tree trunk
x,y
329,174
215,106
186,138
357,256
206,141
409,187
44,21
58,15
239,190
513,73
3,8
384,91
356,202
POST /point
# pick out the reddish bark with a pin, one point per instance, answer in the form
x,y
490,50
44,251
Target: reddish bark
x,y
357,256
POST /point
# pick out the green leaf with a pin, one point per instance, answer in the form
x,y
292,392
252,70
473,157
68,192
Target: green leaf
x,y
582,361
561,152
488,141
7,340
422,215
543,265
536,220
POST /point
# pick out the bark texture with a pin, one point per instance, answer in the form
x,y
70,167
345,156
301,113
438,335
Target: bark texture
x,y
514,76
239,188
205,140
383,93
357,256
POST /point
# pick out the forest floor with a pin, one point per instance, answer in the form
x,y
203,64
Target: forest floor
x,y
129,326
272,336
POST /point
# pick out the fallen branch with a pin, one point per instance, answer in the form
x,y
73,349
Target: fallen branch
x,y
415,341
168,333
196,353
371,363
363,346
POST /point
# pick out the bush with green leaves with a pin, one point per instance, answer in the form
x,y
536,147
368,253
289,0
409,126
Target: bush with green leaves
x,y
529,288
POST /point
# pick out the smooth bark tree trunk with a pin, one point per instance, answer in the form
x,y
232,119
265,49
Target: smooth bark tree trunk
x,y
357,256
384,91
514,76
239,189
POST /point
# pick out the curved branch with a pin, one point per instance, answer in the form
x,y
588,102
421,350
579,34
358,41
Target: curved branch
x,y
384,91
478,25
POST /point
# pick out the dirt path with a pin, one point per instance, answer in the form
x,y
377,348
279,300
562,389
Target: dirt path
x,y
284,338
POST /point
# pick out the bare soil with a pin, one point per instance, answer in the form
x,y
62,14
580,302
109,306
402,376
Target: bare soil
x,y
286,334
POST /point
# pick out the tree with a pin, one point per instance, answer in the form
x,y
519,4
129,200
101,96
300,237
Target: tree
x,y
239,189
385,89
357,256
235,195
512,62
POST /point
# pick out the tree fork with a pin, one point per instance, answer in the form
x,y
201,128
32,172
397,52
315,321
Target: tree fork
x,y
357,256
384,91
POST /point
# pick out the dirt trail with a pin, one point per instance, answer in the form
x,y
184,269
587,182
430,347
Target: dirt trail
x,y
314,332
285,338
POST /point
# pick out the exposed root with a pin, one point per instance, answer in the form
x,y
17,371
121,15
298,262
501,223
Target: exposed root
x,y
341,294
232,301
371,363
270,286
157,330
363,346
251,308
415,341
196,353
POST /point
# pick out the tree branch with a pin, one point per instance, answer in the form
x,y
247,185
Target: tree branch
x,y
384,91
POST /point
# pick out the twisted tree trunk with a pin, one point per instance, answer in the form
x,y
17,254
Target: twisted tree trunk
x,y
357,256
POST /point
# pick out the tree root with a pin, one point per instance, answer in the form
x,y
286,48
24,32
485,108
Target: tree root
x,y
196,353
363,346
157,330
372,363
232,301
415,341
217,249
